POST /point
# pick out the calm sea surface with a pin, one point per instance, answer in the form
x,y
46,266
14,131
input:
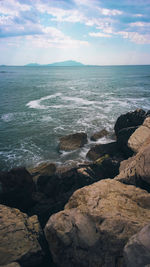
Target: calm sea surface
x,y
38,105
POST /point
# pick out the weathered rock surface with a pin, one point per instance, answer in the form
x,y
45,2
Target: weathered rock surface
x,y
73,141
98,151
136,170
96,224
137,139
130,119
13,264
19,238
16,188
137,250
99,135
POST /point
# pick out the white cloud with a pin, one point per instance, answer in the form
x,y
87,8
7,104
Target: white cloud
x,y
110,12
99,34
12,7
140,24
135,37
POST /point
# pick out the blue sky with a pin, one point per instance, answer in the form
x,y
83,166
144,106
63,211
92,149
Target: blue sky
x,y
106,32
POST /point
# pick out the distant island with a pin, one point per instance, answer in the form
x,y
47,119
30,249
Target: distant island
x,y
68,63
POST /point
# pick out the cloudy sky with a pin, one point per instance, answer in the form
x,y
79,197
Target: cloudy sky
x,y
103,32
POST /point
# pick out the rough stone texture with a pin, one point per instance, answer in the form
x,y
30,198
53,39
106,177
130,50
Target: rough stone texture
x,y
130,119
110,149
13,264
137,139
137,250
96,224
122,140
99,135
73,141
16,188
19,235
137,169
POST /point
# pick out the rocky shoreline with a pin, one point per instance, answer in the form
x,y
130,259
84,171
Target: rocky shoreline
x,y
92,214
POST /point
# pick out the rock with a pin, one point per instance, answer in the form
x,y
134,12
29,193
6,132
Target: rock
x,y
19,235
96,224
137,139
137,169
73,141
16,188
99,135
130,119
137,250
13,264
100,150
122,140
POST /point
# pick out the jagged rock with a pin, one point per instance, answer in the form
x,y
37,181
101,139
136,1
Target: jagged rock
x,y
122,140
13,264
73,141
19,238
110,149
136,170
130,119
137,250
16,188
96,224
137,139
46,168
99,135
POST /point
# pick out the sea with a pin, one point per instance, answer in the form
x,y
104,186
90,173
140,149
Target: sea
x,y
38,105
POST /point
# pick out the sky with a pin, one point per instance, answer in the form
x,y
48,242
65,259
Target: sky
x,y
94,32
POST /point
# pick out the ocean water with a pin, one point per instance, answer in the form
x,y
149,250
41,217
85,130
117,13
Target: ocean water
x,y
38,105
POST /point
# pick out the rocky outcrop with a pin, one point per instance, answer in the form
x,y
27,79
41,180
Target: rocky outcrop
x,y
136,170
99,135
98,151
16,188
137,139
137,250
96,224
72,141
19,238
130,119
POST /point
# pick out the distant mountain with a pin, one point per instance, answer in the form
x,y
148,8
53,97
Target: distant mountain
x,y
68,63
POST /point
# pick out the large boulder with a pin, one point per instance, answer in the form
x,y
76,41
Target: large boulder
x,y
137,139
96,224
16,188
136,170
122,140
19,238
130,119
72,141
99,135
98,151
137,250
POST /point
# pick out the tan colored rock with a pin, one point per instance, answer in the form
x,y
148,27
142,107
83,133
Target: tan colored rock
x,y
96,224
19,236
46,168
137,139
13,264
137,169
99,135
73,141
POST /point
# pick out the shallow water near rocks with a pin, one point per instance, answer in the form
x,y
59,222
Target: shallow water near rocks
x,y
38,105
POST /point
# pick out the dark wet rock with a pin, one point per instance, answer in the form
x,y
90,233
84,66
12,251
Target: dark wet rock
x,y
13,264
99,135
72,141
96,224
137,250
122,140
20,237
130,119
110,149
46,168
16,188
